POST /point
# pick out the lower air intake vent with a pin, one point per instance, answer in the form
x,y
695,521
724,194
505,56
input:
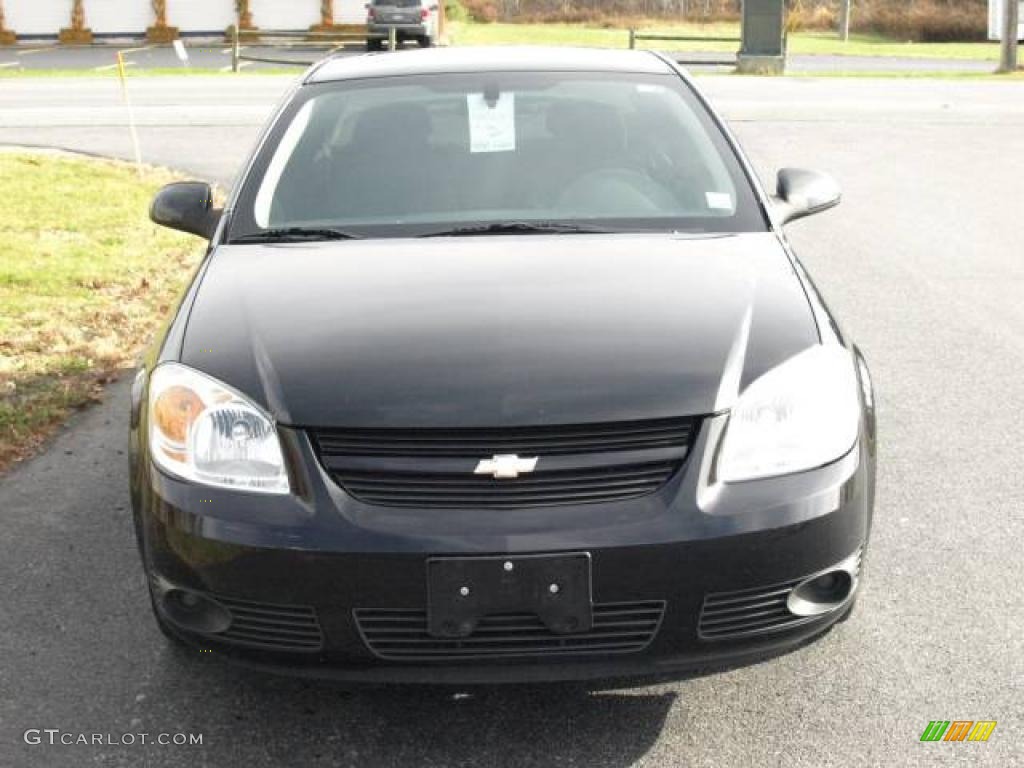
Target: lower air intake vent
x,y
738,614
729,615
617,628
271,626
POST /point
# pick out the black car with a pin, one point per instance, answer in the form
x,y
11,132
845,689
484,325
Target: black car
x,y
499,367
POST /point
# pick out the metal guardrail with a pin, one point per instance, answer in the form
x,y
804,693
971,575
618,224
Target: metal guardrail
x,y
289,39
634,36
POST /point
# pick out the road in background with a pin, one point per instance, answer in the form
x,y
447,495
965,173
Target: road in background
x,y
211,54
923,264
216,54
205,124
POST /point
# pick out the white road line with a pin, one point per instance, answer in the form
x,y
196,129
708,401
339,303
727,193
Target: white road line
x,y
30,51
10,63
136,50
240,65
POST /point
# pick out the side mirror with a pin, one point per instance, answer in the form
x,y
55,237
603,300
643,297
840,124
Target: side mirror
x,y
187,206
802,193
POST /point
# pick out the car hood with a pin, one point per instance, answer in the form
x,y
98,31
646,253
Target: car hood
x,y
498,330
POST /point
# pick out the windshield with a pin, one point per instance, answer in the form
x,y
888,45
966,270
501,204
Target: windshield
x,y
418,155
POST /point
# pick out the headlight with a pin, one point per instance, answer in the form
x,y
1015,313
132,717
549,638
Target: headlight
x,y
201,430
800,415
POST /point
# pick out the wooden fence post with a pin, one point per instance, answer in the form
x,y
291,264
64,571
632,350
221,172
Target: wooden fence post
x,y
236,51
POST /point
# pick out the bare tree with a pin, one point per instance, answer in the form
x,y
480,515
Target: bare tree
x,y
77,16
244,14
327,12
160,11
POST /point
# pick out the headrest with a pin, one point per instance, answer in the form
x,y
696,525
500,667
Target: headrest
x,y
392,127
587,123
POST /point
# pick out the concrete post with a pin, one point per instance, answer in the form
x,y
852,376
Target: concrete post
x,y
844,21
1011,28
763,50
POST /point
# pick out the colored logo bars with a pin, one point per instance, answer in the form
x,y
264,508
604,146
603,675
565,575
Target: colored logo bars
x,y
958,730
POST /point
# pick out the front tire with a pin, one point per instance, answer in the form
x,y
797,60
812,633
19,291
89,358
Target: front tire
x,y
425,41
374,44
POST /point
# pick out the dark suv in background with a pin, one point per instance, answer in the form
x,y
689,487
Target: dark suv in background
x,y
411,20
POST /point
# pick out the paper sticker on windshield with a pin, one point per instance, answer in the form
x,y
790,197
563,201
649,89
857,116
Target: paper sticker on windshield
x,y
719,201
492,127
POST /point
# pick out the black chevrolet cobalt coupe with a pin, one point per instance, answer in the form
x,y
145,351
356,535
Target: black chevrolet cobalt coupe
x,y
500,368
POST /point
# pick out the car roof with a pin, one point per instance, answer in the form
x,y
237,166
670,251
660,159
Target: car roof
x,y
487,59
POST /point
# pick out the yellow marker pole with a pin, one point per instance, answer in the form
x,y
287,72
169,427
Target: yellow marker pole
x,y
131,113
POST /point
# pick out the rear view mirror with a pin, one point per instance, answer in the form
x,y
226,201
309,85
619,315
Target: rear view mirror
x,y
802,193
186,206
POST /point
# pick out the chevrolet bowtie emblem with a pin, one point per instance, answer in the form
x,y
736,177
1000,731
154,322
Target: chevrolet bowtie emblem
x,y
505,466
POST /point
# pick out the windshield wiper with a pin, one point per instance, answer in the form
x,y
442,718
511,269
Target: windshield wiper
x,y
296,234
519,227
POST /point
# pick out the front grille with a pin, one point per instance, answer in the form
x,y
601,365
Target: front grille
x,y
537,489
532,441
434,468
728,615
617,628
271,626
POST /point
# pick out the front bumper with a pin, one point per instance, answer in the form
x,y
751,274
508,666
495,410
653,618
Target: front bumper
x,y
318,553
403,29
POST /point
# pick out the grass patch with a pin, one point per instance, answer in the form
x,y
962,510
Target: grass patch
x,y
821,43
827,44
85,278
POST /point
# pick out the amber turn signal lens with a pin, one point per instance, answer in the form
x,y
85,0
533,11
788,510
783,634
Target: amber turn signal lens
x,y
175,410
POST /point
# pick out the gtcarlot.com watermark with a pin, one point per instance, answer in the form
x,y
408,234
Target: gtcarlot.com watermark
x,y
56,736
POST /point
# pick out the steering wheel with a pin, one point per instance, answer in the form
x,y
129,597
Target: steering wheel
x,y
616,191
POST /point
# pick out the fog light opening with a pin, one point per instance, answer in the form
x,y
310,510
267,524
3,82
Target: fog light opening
x,y
195,611
821,594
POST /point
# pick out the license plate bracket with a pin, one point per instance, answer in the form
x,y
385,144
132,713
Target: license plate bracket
x,y
462,590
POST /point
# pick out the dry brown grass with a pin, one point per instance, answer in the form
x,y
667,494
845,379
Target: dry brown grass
x,y
917,20
85,279
927,21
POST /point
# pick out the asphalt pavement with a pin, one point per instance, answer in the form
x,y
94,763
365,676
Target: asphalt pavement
x,y
923,265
